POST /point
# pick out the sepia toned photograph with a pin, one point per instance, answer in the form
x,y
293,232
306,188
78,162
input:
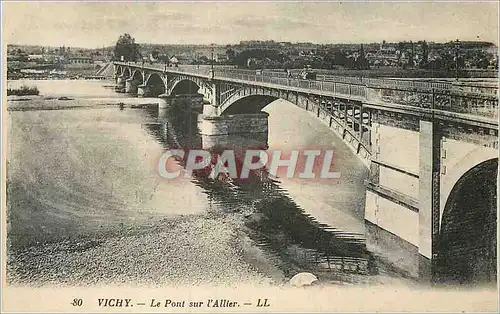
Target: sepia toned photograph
x,y
250,156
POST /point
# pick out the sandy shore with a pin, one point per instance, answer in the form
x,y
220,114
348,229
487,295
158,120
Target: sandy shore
x,y
189,250
182,250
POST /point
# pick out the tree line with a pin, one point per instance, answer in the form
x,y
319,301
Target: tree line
x,y
127,49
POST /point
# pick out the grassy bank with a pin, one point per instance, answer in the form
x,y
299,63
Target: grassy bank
x,y
23,91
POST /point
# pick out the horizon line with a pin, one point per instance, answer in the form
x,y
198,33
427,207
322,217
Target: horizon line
x,y
268,40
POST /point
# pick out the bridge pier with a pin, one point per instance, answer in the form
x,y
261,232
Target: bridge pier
x,y
120,82
224,130
194,101
406,201
392,209
211,109
428,197
143,91
131,86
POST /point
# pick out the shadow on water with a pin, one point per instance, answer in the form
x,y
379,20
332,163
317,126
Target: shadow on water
x,y
296,240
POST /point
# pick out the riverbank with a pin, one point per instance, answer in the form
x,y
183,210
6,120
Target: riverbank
x,y
205,249
180,250
40,102
23,91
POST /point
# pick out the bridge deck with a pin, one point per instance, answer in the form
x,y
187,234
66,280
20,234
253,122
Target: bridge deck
x,y
467,100
483,87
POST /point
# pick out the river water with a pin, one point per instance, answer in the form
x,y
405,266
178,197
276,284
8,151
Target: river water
x,y
86,204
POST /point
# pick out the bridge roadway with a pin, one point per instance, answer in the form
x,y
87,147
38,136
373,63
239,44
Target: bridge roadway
x,y
431,147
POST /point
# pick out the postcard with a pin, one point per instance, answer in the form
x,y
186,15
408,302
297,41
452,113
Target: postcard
x,y
250,156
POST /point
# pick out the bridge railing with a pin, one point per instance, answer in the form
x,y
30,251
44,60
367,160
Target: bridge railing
x,y
468,99
188,69
332,87
399,84
412,85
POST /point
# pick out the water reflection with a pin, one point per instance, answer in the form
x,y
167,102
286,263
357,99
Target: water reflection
x,y
272,218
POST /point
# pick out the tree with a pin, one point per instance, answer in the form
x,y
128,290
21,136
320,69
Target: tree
x,y
155,53
361,62
411,55
336,57
127,48
230,54
425,53
256,55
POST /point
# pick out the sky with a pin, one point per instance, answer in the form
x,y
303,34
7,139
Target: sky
x,y
94,25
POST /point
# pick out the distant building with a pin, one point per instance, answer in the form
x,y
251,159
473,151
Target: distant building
x,y
152,59
32,71
80,60
174,60
56,72
35,57
220,57
387,50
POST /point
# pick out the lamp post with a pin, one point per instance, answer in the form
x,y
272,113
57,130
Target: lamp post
x,y
212,60
457,46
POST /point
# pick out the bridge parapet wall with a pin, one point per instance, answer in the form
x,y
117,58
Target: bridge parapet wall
x,y
478,104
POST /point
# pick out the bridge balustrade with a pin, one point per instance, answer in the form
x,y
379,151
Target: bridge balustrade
x,y
340,79
438,95
340,88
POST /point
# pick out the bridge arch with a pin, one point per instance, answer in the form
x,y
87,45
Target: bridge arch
x,y
138,76
466,247
126,72
468,162
247,104
184,86
118,70
345,118
248,100
155,84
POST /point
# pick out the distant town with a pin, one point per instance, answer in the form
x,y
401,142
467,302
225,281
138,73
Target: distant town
x,y
401,59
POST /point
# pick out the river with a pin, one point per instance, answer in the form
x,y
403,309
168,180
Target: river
x,y
86,204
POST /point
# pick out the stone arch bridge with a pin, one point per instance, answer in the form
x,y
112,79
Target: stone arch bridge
x,y
431,147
